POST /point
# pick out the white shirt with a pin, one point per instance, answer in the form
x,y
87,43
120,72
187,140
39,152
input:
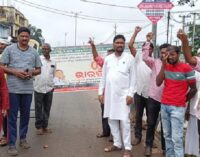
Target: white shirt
x,y
143,75
44,82
118,80
195,101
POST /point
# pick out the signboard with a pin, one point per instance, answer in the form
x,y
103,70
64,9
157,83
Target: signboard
x,y
155,9
76,69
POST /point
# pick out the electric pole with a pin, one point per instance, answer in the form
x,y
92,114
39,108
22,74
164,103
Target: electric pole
x,y
154,30
76,16
183,20
171,36
65,39
194,29
168,21
115,29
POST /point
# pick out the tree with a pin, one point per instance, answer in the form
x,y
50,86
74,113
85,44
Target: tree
x,y
189,2
196,37
36,34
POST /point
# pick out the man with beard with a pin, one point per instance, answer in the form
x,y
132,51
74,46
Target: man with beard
x,y
116,91
179,87
143,74
43,91
154,93
21,62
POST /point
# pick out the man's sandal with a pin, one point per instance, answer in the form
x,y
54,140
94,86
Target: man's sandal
x,y
112,148
127,153
3,142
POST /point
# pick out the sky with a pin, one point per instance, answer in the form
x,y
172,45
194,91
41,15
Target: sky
x,y
59,30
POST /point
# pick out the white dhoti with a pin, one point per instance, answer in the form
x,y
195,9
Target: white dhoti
x,y
121,131
192,137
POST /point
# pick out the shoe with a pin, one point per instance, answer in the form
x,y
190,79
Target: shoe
x,y
3,141
127,153
136,141
12,151
40,131
47,130
148,151
23,143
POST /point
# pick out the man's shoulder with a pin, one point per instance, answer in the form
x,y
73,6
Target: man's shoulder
x,y
186,67
109,57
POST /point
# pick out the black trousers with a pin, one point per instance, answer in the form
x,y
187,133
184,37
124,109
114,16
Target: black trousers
x,y
140,104
5,126
43,104
153,109
105,125
198,124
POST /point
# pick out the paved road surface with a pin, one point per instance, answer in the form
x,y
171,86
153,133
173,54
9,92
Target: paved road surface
x,y
75,121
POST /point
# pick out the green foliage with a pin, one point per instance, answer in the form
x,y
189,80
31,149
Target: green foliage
x,y
36,33
196,37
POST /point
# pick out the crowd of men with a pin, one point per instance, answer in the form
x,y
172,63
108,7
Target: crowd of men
x,y
163,86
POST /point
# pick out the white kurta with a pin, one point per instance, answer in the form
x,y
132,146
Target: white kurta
x,y
118,82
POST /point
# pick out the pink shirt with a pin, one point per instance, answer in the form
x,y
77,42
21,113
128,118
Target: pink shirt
x,y
197,67
99,60
155,92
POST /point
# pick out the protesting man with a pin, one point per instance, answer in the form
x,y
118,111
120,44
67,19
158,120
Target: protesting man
x,y
179,87
100,61
43,91
21,62
143,73
116,92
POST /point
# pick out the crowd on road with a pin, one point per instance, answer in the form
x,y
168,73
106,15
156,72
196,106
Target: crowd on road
x,y
164,86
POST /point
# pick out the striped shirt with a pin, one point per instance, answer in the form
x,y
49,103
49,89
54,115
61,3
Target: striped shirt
x,y
14,58
177,80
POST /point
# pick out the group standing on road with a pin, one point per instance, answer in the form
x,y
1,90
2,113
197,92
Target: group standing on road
x,y
163,86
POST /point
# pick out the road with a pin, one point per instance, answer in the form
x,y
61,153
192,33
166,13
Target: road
x,y
75,121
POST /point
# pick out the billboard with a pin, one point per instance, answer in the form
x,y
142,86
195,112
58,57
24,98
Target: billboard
x,y
76,69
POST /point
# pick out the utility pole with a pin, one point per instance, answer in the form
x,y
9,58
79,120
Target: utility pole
x,y
65,39
194,29
154,30
171,36
76,16
183,20
168,21
115,29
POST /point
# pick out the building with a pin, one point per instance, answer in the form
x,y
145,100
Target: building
x,y
12,18
4,31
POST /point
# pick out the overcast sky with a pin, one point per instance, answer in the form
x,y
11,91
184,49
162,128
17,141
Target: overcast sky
x,y
56,27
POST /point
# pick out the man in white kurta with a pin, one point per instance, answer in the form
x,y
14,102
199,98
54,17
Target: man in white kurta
x,y
117,89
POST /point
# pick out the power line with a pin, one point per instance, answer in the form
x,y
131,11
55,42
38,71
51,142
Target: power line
x,y
71,14
106,4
